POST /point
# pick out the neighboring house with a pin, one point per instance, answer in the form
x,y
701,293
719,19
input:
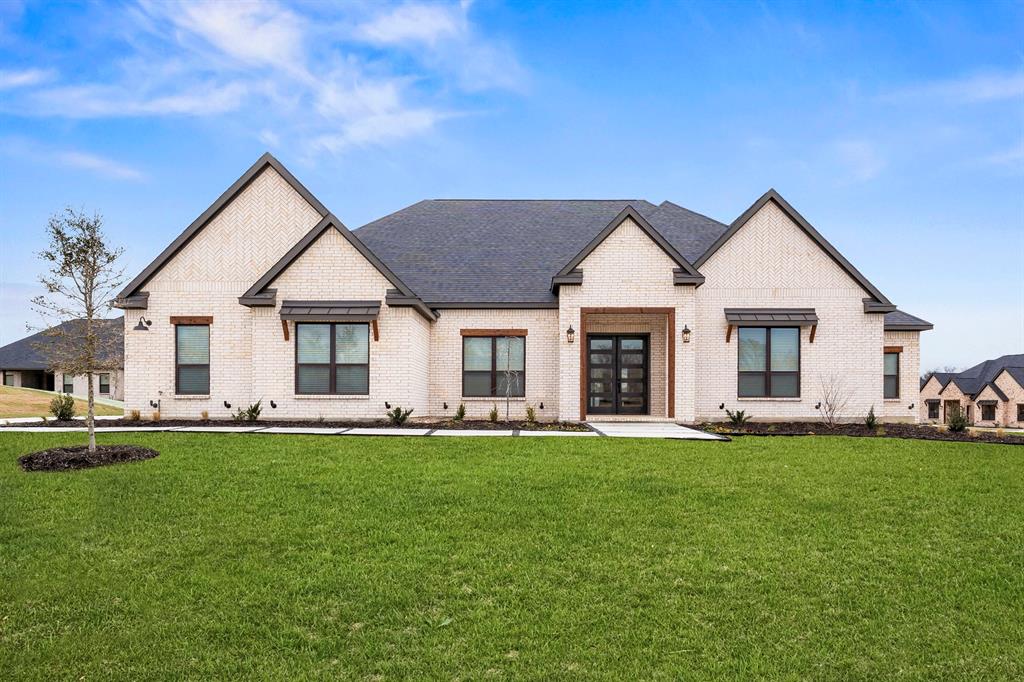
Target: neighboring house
x,y
988,394
580,309
24,363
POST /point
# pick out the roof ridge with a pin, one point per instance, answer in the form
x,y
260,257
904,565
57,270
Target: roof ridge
x,y
538,200
690,210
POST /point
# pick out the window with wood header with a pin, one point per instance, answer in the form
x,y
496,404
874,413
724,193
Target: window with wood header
x,y
332,358
891,376
493,366
769,362
192,359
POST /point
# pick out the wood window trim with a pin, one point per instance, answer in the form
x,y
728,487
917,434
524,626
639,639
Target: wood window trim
x,y
669,313
191,319
333,364
768,371
178,366
494,362
892,349
889,351
493,332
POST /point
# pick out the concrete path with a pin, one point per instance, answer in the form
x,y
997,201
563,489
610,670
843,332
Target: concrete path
x,y
609,429
651,430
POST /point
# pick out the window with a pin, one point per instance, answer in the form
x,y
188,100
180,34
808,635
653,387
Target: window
x,y
8,378
69,383
933,409
769,362
192,359
891,376
332,358
493,366
104,383
1020,412
988,412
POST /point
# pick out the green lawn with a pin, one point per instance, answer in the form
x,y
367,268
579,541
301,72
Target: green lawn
x,y
410,558
28,402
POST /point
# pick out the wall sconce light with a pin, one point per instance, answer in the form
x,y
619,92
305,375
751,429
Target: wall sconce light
x,y
911,406
153,404
227,404
570,334
387,405
818,406
542,406
143,325
686,334
273,405
721,406
446,406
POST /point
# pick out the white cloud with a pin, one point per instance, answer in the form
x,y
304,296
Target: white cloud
x,y
100,165
981,87
860,158
24,78
114,101
378,128
30,151
415,23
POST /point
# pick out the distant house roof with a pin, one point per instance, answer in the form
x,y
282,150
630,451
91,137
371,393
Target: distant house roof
x,y
971,381
27,354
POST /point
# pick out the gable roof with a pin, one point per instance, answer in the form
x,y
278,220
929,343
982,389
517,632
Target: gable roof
x,y
267,160
629,212
504,252
258,294
941,377
972,380
794,215
898,320
27,354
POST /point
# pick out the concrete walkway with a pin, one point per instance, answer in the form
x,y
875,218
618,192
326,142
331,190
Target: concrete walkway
x,y
609,429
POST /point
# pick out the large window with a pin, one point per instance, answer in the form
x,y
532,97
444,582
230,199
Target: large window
x,y
988,412
769,362
192,359
891,376
104,383
493,366
69,383
332,358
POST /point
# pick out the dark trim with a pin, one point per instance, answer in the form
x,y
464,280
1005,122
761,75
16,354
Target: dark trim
x,y
330,311
396,299
630,212
493,306
138,301
682,278
267,298
494,371
772,195
768,371
771,317
873,306
899,369
616,353
909,327
332,365
574,277
215,208
988,402
209,358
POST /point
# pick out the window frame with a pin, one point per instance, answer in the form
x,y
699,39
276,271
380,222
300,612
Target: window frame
x,y
1020,412
494,371
768,372
8,375
897,375
333,364
64,383
207,365
101,382
985,407
937,405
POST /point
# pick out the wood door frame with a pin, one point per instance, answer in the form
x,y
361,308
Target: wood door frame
x,y
670,315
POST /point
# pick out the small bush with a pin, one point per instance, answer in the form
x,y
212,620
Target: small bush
x,y
871,421
493,414
460,412
737,418
204,415
62,407
249,414
134,416
957,422
397,416
155,416
531,414
320,419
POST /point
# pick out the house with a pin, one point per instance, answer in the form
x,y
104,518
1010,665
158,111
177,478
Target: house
x,y
24,363
613,309
989,394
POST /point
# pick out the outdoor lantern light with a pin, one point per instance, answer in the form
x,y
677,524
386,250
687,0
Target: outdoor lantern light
x,y
143,325
686,334
570,334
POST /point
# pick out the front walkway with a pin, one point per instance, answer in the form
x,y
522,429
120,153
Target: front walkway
x,y
609,429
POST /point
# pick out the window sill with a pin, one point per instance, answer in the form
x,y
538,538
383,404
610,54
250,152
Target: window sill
x,y
331,397
769,400
191,397
491,398
892,400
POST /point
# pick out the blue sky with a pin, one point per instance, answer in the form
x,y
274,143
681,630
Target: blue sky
x,y
896,129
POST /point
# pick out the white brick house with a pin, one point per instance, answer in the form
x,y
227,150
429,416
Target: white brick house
x,y
580,309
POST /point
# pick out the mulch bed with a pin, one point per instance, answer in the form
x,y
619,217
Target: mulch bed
x,y
474,424
913,431
79,457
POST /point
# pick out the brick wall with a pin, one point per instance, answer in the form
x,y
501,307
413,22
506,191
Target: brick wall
x,y
898,409
1015,393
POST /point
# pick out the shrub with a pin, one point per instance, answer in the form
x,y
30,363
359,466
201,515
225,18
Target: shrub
x,y
62,407
871,421
155,416
493,414
134,416
249,414
531,414
320,419
460,412
204,415
737,418
397,416
957,422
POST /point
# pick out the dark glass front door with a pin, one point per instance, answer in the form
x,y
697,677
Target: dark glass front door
x,y
617,374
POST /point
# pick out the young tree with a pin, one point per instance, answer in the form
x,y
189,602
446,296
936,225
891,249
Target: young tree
x,y
511,375
834,398
80,284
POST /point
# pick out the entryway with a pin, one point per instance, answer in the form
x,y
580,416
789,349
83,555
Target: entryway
x,y
618,374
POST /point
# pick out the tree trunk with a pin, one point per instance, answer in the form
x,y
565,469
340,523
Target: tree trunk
x,y
90,416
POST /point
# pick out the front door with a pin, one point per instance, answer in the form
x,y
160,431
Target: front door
x,y
617,374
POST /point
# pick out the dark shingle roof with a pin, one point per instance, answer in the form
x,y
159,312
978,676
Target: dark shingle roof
x,y
506,251
24,354
972,380
898,319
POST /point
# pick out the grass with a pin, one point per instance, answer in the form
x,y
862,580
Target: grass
x,y
28,402
416,558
